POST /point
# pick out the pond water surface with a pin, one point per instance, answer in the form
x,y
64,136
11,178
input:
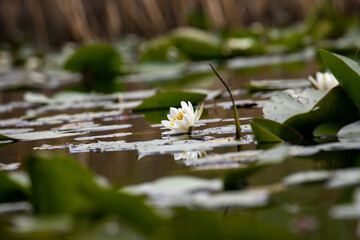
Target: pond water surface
x,y
304,209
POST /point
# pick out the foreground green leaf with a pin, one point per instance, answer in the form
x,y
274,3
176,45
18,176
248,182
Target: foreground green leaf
x,y
61,186
130,210
186,225
64,181
10,189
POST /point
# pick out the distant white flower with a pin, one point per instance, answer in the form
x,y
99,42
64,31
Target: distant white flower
x,y
187,156
183,120
324,81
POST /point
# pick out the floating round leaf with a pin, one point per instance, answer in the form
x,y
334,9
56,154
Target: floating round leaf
x,y
288,103
335,106
99,64
196,43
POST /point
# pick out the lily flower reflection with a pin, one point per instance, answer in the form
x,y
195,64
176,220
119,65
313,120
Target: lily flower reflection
x,y
324,81
183,120
189,156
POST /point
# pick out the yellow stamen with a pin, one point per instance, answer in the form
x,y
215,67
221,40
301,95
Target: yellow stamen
x,y
179,116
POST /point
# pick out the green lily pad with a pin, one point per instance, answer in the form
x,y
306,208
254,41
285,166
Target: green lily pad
x,y
98,58
304,110
160,49
266,130
169,98
346,71
99,64
288,103
155,116
197,44
335,106
327,129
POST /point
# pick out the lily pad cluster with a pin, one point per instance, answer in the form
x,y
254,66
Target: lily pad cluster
x,y
297,116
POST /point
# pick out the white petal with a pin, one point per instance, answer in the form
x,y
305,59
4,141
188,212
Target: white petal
x,y
199,113
185,107
173,112
190,106
166,123
189,110
178,156
187,121
313,82
319,75
179,126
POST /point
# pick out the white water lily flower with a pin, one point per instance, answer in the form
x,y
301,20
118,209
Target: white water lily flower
x,y
189,155
324,81
183,120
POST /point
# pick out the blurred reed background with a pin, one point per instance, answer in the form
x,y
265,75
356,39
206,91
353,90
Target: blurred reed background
x,y
53,22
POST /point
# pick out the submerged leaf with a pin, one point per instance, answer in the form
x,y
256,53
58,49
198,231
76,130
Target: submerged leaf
x,y
169,98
